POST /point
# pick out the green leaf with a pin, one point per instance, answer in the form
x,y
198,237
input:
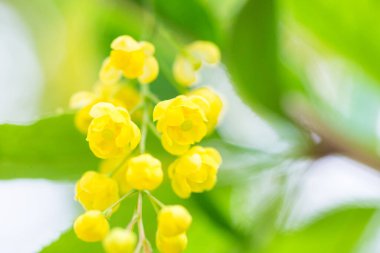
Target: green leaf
x,y
253,55
190,16
51,148
338,231
349,27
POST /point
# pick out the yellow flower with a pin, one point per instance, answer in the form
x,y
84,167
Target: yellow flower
x,y
144,172
181,121
111,132
173,220
190,60
133,59
195,171
118,94
83,118
215,106
120,240
174,244
91,226
109,165
96,191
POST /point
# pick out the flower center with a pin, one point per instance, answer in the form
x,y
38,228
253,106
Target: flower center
x,y
108,134
187,125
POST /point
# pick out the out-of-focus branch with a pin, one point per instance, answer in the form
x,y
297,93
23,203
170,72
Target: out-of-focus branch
x,y
332,141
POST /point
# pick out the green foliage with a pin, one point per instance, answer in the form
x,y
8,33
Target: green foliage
x,y
51,148
252,54
338,231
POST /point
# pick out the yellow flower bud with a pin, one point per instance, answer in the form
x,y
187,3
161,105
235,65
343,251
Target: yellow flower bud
x,y
96,191
91,226
195,171
150,71
182,122
144,172
174,244
111,132
109,165
134,59
173,220
83,118
120,240
215,106
188,62
108,73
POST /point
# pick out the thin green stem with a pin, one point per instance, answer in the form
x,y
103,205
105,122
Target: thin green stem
x,y
137,107
145,119
125,159
154,130
108,210
133,221
142,243
153,97
154,199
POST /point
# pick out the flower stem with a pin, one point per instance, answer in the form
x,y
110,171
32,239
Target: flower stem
x,y
108,210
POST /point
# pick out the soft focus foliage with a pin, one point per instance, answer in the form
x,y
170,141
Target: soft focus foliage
x,y
307,86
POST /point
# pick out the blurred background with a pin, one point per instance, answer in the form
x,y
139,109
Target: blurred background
x,y
300,133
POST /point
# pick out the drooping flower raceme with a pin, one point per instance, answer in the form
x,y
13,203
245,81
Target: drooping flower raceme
x,y
173,222
96,191
215,106
144,172
191,59
182,122
111,132
92,226
195,171
132,59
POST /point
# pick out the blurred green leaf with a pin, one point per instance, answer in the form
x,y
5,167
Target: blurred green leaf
x,y
348,27
252,54
51,148
338,231
190,17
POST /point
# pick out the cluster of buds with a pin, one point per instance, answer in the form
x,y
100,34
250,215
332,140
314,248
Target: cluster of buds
x,y
109,116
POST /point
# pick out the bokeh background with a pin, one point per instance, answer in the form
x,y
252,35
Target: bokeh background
x,y
300,133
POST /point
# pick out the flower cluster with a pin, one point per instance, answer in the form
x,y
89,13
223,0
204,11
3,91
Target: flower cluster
x,y
110,114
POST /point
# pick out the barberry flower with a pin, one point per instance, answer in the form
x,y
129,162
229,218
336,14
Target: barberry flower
x,y
191,59
120,240
111,132
92,226
195,171
215,106
109,165
174,244
96,191
182,122
133,59
118,94
144,172
173,220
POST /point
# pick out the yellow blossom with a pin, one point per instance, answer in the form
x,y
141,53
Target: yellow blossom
x,y
91,226
190,60
195,171
182,122
109,165
215,106
173,220
96,191
132,58
174,244
120,240
144,172
111,132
